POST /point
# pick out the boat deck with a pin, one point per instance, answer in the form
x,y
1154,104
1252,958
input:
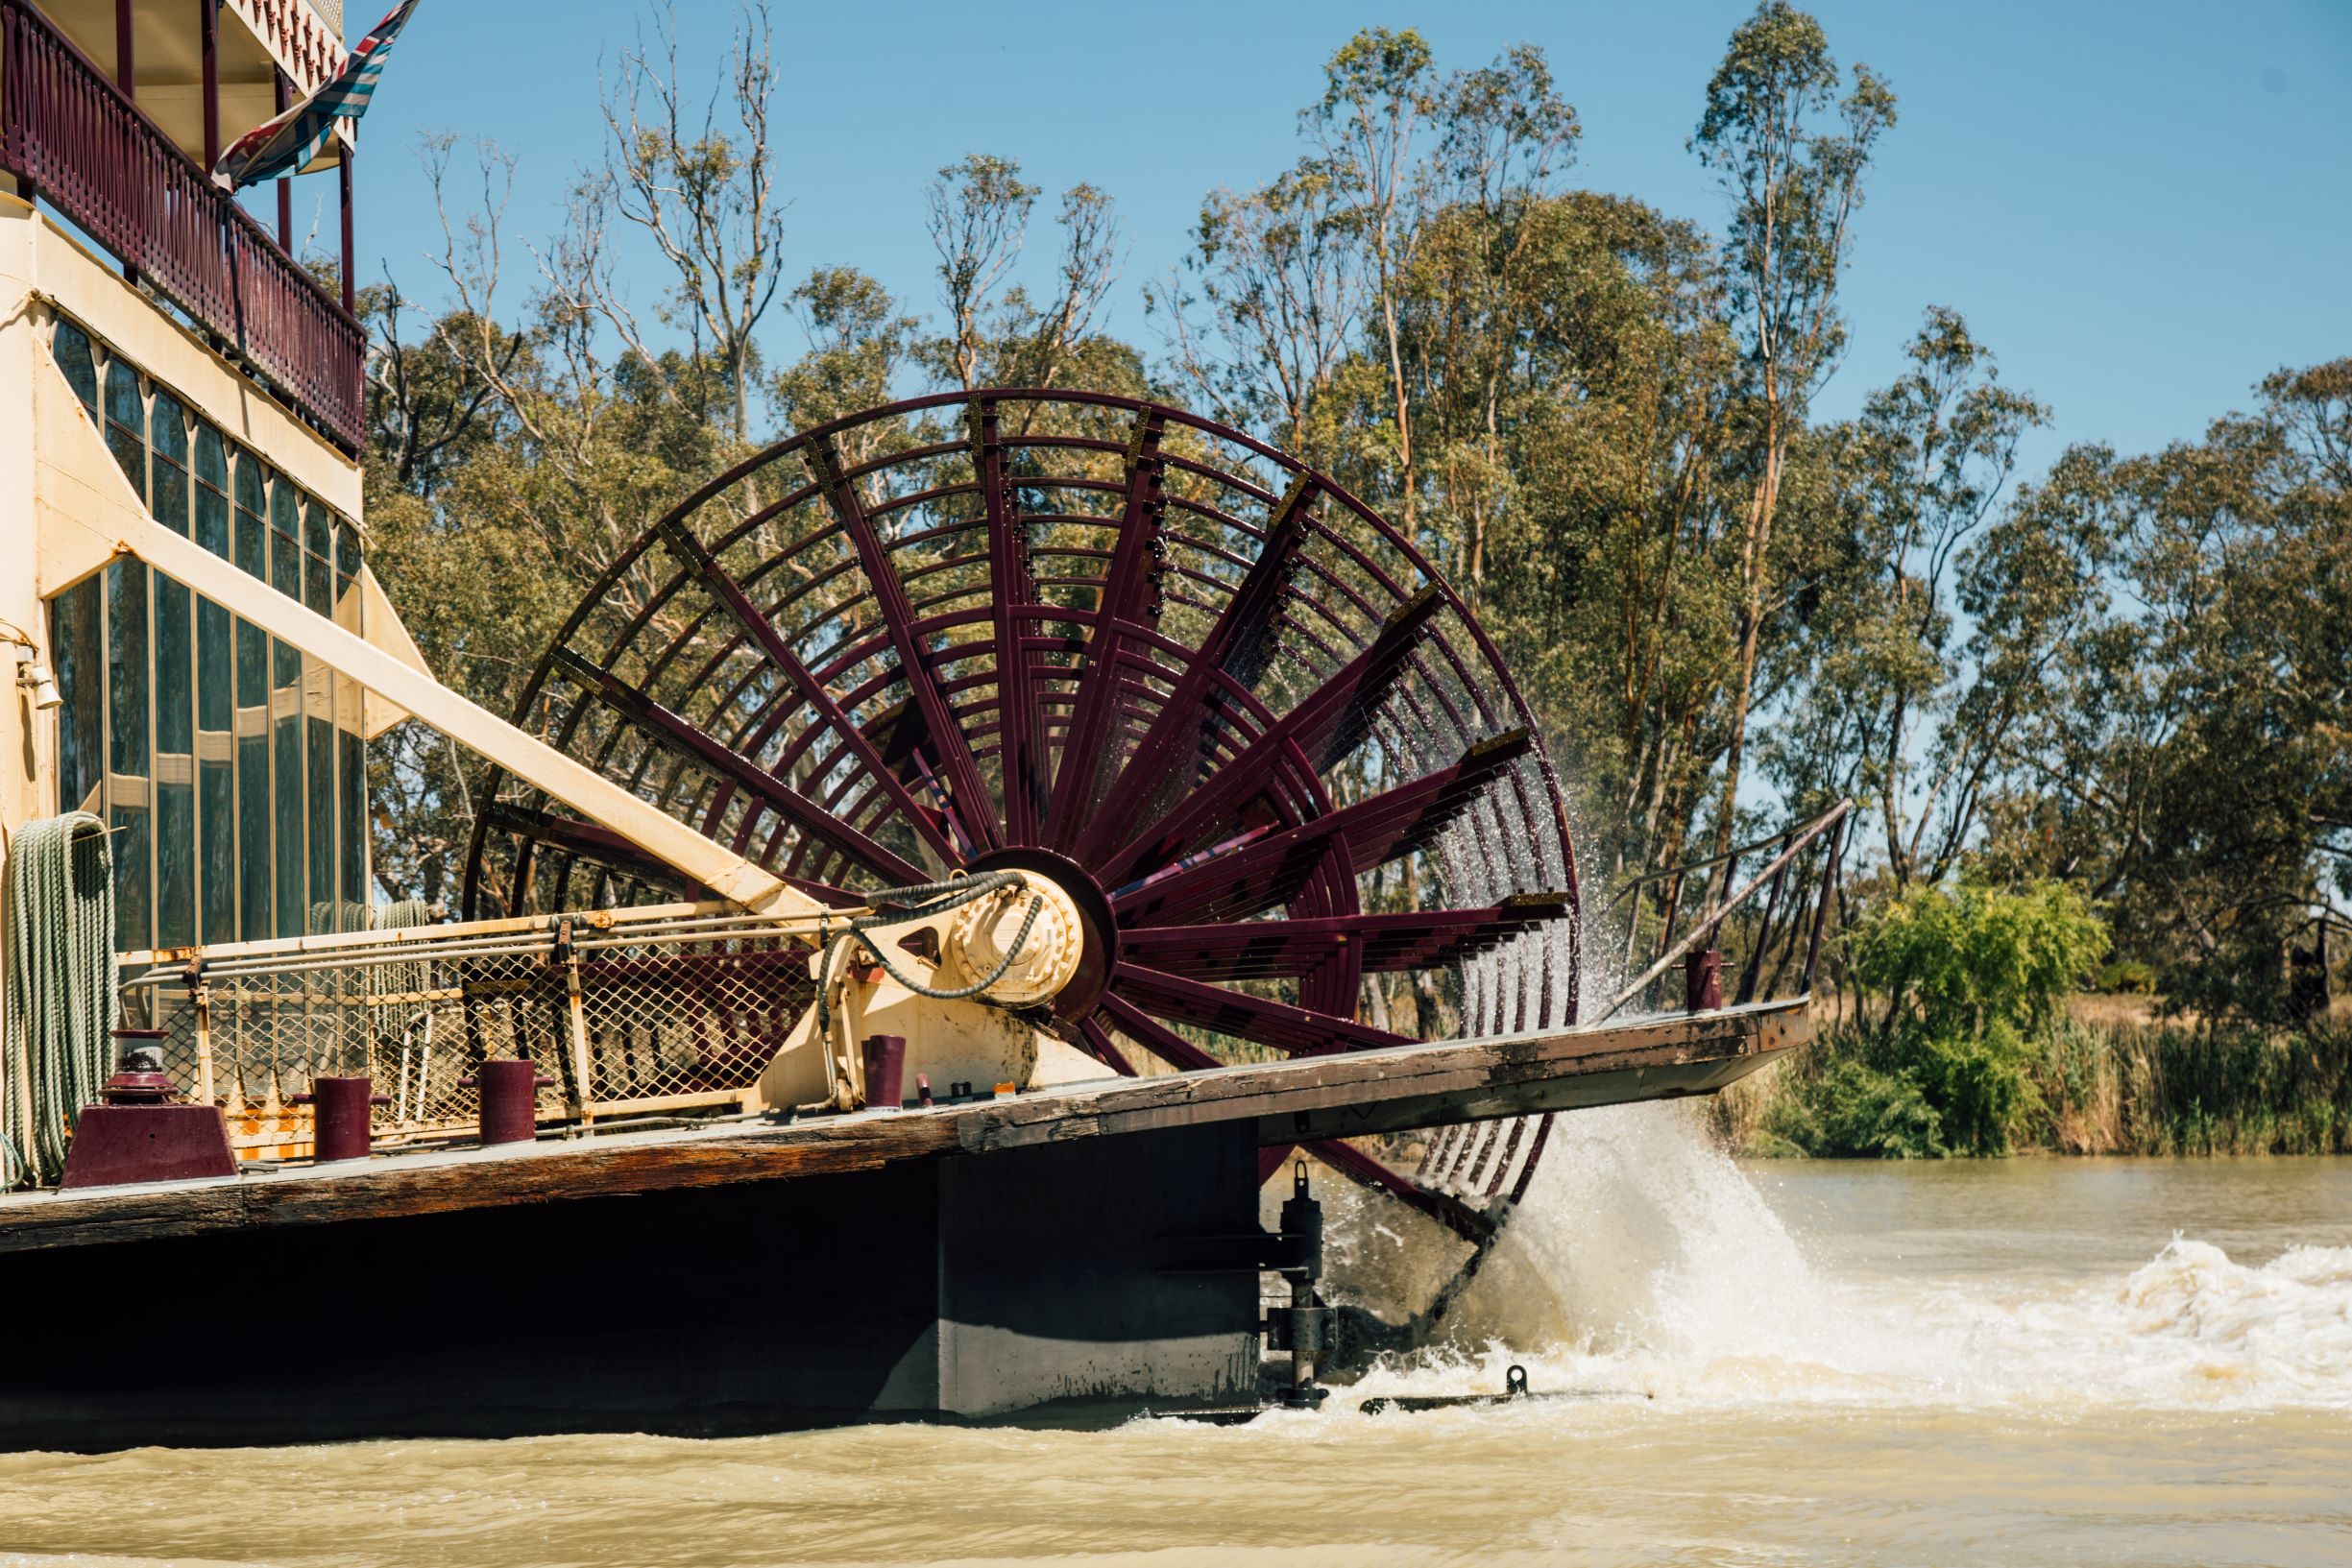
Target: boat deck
x,y
1306,1099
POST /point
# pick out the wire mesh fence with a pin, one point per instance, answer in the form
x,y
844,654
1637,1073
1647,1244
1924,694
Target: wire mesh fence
x,y
626,1012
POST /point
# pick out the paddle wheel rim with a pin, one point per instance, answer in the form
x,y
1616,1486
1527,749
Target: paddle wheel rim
x,y
807,663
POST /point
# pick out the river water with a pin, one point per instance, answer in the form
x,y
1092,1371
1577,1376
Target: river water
x,y
2027,1361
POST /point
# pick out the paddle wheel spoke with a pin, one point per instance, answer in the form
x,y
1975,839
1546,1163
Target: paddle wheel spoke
x,y
1296,946
1259,873
967,796
1233,648
1013,590
658,723
1363,1169
1324,726
1103,1049
1299,1030
586,841
691,553
1126,596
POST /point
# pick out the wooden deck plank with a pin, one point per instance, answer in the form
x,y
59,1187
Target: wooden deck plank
x,y
1360,1092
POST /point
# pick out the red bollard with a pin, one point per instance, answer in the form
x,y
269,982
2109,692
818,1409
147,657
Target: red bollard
x,y
138,1134
344,1132
1702,980
885,1070
510,1098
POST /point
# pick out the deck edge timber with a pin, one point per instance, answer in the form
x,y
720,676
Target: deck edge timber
x,y
1340,1095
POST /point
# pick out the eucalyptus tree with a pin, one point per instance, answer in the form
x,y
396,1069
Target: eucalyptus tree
x,y
1897,708
1378,88
701,187
1605,574
2186,753
1791,153
1503,138
996,333
976,213
1263,309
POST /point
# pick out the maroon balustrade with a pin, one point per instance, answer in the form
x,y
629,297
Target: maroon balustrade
x,y
69,133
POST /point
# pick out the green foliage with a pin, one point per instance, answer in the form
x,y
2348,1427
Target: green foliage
x,y
2183,743
1974,1056
2151,1090
1972,977
1904,1094
2233,1089
1791,154
1965,961
1899,711
1850,1109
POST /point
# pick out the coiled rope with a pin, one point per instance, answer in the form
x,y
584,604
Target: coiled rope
x,y
57,1024
945,897
407,1026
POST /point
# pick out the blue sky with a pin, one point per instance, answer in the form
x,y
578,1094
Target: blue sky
x,y
2142,209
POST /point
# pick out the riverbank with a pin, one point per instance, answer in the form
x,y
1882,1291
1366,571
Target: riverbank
x,y
2091,1084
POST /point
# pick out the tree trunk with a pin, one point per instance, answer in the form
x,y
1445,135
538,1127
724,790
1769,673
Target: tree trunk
x,y
1752,568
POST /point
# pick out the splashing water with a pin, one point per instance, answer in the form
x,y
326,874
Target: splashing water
x,y
1645,1263
1636,1232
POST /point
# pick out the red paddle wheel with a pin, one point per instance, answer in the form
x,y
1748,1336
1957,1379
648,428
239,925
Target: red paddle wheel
x,y
1237,714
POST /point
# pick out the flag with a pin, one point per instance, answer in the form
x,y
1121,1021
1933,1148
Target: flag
x,y
286,145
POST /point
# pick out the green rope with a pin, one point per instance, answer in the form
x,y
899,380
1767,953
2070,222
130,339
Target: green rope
x,y
402,1026
402,914
57,1032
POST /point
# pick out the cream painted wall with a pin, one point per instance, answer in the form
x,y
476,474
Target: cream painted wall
x,y
42,271
28,742
62,275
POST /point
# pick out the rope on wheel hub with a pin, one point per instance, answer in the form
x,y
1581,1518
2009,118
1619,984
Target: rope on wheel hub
x,y
943,897
57,1027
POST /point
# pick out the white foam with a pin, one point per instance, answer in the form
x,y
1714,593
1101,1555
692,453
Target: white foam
x,y
1645,1262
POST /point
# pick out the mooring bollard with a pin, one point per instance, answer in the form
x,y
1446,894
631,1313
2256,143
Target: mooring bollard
x,y
343,1121
1702,980
139,1132
885,1070
510,1098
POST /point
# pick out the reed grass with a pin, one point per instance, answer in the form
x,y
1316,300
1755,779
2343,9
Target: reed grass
x,y
2095,1087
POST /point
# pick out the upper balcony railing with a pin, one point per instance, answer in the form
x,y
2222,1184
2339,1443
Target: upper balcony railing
x,y
72,135
305,36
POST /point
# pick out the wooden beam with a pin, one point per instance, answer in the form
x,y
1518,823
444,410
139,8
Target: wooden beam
x,y
126,63
351,293
808,817
688,550
533,760
967,796
1250,876
209,19
285,187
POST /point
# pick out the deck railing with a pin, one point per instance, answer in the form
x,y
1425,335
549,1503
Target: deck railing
x,y
629,1012
71,134
1825,836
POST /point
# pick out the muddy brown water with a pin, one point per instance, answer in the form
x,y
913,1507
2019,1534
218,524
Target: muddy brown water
x,y
2029,1361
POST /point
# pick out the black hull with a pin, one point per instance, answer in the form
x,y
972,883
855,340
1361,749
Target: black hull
x,y
955,1289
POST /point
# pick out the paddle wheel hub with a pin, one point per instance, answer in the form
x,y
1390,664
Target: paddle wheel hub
x,y
1096,928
